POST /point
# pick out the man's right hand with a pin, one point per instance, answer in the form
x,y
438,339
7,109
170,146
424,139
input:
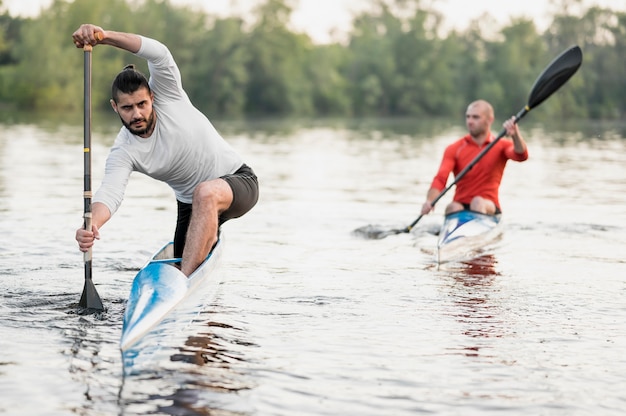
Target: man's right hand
x,y
87,34
426,208
87,238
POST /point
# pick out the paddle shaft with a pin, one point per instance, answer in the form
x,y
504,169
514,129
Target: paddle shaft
x,y
87,154
87,144
90,300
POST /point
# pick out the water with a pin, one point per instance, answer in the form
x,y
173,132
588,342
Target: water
x,y
308,319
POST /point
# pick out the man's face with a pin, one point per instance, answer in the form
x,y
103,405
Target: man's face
x,y
477,120
135,111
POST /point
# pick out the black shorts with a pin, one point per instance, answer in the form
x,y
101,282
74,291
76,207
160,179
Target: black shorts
x,y
245,187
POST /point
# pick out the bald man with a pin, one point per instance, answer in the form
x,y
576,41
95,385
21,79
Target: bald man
x,y
478,189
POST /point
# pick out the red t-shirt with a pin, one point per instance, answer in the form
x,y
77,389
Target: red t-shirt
x,y
484,178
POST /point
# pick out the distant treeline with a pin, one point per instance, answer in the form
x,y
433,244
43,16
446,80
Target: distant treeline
x,y
396,61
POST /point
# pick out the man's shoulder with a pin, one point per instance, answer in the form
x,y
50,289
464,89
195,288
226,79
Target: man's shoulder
x,y
460,141
125,146
122,139
505,142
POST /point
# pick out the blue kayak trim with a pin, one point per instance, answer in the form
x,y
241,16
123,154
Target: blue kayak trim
x,y
174,260
466,232
158,288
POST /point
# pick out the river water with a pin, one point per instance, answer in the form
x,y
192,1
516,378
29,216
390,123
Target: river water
x,y
307,318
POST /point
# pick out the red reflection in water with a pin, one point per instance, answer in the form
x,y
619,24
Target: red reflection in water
x,y
473,295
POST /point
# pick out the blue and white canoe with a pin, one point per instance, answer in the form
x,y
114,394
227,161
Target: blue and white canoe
x,y
465,234
160,287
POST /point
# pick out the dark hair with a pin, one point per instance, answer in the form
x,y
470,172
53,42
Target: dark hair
x,y
128,81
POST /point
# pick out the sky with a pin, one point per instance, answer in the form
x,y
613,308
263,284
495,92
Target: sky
x,y
320,18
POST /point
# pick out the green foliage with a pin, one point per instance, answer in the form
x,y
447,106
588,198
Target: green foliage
x,y
218,69
516,62
276,67
396,61
330,88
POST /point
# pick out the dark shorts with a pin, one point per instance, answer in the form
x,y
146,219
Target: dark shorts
x,y
467,207
245,187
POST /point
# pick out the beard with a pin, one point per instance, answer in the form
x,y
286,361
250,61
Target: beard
x,y
139,132
477,131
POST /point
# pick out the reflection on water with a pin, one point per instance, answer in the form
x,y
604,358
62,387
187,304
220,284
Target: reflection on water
x,y
473,296
207,348
478,271
202,375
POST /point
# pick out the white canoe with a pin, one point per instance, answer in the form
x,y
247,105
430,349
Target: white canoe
x,y
159,288
465,234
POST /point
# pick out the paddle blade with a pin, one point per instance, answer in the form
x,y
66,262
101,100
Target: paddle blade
x,y
90,300
374,232
555,75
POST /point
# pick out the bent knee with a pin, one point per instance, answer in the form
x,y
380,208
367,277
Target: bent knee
x,y
454,207
203,191
480,204
215,192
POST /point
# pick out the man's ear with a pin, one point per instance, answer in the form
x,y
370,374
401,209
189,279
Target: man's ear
x,y
113,104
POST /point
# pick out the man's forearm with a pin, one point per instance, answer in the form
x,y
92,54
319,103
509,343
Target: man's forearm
x,y
519,145
432,194
100,214
127,41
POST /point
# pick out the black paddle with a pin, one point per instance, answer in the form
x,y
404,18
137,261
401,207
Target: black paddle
x,y
90,300
551,79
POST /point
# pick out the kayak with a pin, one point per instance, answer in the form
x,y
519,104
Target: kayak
x,y
160,287
465,234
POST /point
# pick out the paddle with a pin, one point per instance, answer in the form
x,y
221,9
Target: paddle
x,y
549,81
89,300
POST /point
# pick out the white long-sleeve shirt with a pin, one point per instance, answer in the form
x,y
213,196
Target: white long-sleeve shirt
x,y
184,148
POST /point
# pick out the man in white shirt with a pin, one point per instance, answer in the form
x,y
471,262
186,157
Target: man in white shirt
x,y
165,137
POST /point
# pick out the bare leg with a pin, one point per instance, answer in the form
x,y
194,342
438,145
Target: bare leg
x,y
478,204
210,198
454,207
483,205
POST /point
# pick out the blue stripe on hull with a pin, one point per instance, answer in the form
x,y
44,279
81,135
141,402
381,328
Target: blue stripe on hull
x,y
465,232
158,288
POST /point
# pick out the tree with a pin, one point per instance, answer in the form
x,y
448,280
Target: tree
x,y
276,67
329,86
397,60
514,63
218,70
